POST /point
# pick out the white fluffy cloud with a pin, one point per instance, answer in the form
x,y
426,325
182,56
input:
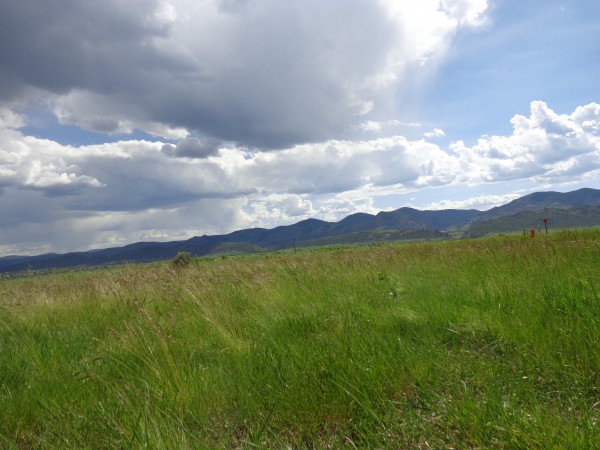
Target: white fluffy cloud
x,y
544,145
480,202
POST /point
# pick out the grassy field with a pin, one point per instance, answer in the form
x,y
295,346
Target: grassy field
x,y
490,343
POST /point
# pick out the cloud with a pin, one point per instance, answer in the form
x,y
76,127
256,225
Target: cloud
x,y
31,163
66,44
278,209
339,206
372,126
480,202
109,115
11,120
265,74
543,146
435,133
39,229
193,148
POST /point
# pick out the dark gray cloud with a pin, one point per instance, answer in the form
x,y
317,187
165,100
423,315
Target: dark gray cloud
x,y
61,45
193,148
33,224
232,6
265,74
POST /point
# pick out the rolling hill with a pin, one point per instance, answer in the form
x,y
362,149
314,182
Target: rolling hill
x,y
579,208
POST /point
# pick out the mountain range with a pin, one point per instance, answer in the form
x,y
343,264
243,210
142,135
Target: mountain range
x,y
580,208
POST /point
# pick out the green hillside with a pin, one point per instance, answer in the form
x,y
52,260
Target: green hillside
x,y
375,237
558,218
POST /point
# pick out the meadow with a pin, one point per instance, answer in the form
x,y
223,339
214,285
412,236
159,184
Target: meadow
x,y
481,343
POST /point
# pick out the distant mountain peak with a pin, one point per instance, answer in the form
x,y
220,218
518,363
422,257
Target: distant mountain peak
x,y
547,199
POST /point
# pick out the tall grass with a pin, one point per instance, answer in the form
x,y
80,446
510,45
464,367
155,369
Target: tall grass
x,y
477,343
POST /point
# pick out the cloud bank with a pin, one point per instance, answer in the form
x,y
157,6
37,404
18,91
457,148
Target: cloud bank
x,y
259,73
98,195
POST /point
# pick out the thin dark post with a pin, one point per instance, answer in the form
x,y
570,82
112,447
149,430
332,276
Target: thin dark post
x,y
546,225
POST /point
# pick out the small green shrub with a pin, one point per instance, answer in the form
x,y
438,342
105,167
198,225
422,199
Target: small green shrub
x,y
395,290
182,259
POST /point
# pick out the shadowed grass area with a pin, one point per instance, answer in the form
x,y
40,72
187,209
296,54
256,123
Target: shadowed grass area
x,y
477,343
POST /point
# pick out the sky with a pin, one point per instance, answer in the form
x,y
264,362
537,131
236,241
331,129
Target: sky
x,y
157,120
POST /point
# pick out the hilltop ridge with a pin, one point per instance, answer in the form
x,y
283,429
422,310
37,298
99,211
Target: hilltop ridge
x,y
580,208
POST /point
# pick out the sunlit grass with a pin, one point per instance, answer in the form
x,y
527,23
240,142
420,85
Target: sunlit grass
x,y
478,343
